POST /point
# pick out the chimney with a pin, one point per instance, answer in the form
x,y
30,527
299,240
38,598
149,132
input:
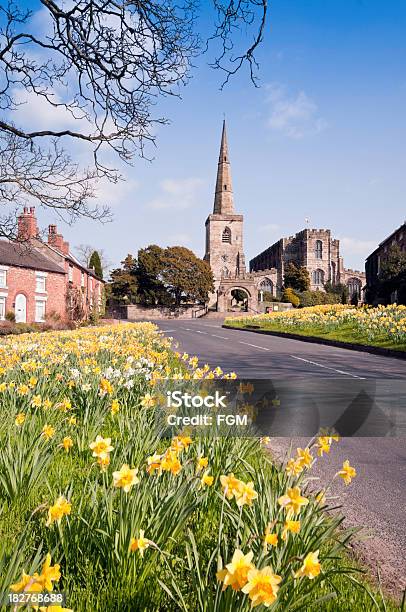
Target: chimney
x,y
56,240
27,224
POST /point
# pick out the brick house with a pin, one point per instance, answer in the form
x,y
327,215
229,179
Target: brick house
x,y
374,260
39,278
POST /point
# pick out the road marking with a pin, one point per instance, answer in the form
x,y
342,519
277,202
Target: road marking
x,y
186,328
167,331
197,331
320,365
216,336
254,345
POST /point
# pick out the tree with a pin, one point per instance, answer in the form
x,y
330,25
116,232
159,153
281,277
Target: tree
x,y
186,277
95,263
392,275
151,287
123,282
239,295
101,66
296,277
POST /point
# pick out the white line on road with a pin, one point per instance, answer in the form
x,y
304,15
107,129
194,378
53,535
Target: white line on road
x,y
200,332
167,331
254,345
216,336
320,365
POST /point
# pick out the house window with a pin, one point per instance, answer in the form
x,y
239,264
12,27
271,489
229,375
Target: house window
x,y
318,277
3,278
226,236
40,311
82,281
40,283
2,308
319,249
70,274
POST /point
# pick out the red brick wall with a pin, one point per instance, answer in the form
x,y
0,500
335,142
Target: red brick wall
x,y
23,280
90,286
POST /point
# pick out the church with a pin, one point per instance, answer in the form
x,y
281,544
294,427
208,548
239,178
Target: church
x,y
314,249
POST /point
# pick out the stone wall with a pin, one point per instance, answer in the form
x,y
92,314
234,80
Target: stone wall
x,y
137,312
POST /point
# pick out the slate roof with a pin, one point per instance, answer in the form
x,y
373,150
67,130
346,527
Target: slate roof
x,y
26,256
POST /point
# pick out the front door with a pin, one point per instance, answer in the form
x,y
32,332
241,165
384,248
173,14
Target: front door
x,y
21,308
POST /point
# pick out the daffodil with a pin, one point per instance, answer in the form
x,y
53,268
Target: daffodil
x,y
125,478
246,494
48,432
67,443
290,526
206,480
293,501
202,463
140,544
231,485
235,573
304,457
347,473
101,446
311,566
20,418
262,586
59,509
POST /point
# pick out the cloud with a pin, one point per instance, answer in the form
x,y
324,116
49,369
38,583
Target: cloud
x,y
352,246
176,194
114,194
294,115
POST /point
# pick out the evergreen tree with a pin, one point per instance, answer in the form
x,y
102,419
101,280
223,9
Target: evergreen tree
x,y
296,278
123,284
95,263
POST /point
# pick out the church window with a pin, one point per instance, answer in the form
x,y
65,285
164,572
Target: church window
x,y
318,277
226,236
225,187
319,249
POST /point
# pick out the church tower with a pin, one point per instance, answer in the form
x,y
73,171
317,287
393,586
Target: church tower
x,y
224,228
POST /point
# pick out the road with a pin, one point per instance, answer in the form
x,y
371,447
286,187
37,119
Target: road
x,y
376,500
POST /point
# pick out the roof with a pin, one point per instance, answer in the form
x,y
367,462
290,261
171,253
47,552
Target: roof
x,y
26,256
74,260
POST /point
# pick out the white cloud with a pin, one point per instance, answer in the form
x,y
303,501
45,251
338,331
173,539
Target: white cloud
x,y
114,194
176,194
352,246
293,115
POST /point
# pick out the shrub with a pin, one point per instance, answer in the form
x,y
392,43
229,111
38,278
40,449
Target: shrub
x,y
314,298
290,296
10,316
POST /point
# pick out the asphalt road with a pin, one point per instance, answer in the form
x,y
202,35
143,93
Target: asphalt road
x,y
376,500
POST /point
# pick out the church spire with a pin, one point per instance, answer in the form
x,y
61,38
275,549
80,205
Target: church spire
x,y
223,199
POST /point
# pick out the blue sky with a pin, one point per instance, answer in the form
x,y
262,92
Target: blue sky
x,y
323,137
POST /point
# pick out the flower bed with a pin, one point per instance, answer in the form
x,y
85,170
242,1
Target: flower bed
x,y
95,504
380,326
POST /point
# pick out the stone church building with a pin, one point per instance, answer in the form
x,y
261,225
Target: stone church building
x,y
315,249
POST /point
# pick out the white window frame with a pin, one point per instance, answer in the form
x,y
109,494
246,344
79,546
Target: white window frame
x,y
3,271
82,279
41,276
44,302
2,307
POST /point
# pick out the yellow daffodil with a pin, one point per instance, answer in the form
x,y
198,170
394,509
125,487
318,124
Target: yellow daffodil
x,y
304,457
246,494
292,501
290,526
101,446
148,401
323,445
202,463
60,508
347,473
140,544
206,480
115,406
48,432
20,418
293,467
235,573
311,566
262,586
125,478
231,485
67,443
